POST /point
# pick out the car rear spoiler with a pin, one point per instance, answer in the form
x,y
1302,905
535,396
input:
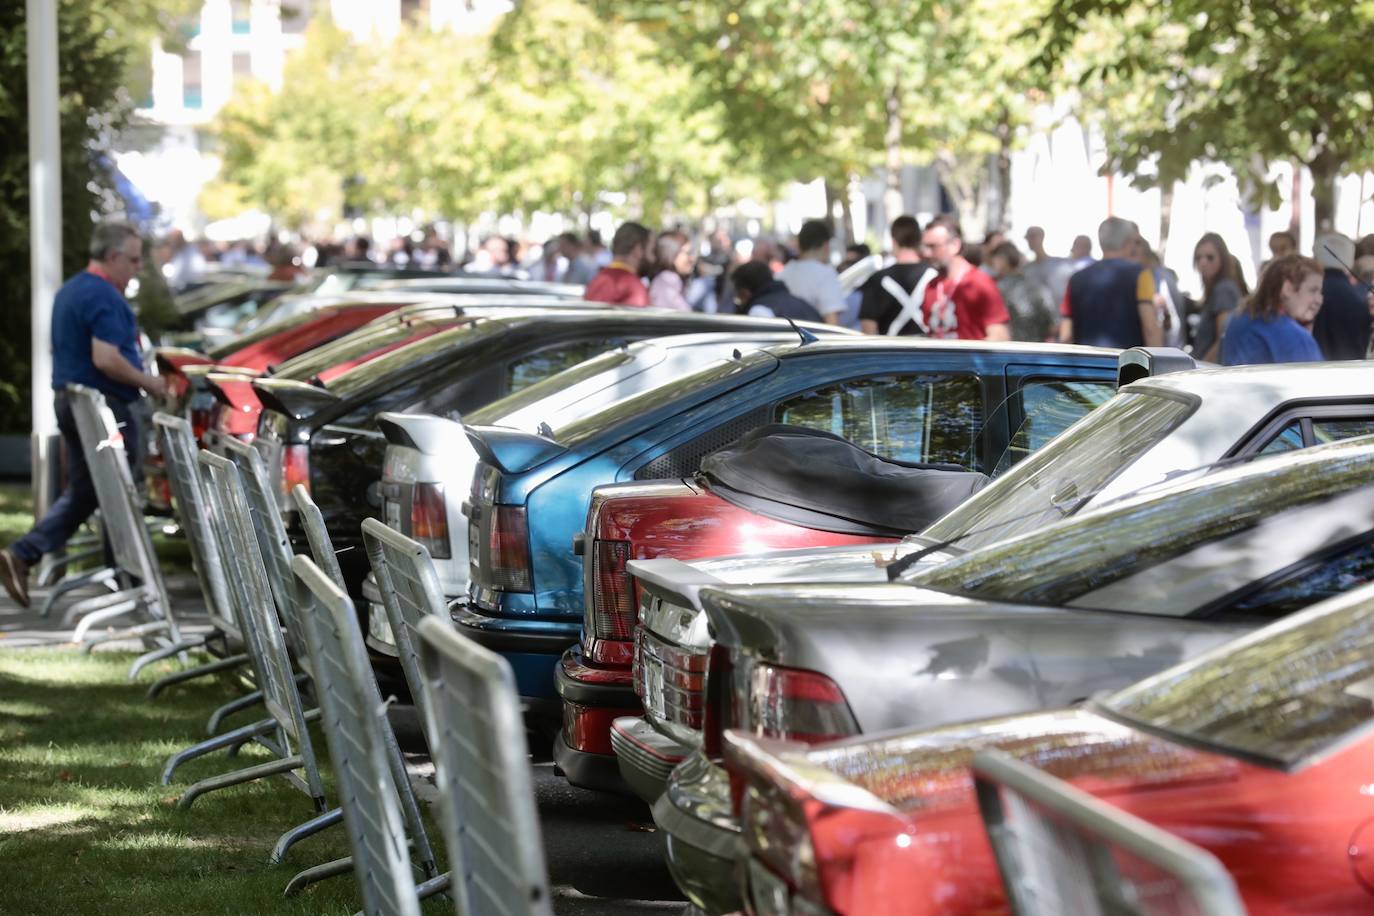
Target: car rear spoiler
x,y
513,451
1142,362
673,581
232,390
422,431
297,400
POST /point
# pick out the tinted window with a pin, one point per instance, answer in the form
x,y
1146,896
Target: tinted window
x,y
519,400
1049,408
1056,480
919,418
1060,563
536,367
407,358
1348,569
1335,429
1285,693
1289,439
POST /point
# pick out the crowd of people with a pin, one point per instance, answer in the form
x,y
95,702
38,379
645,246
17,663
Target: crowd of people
x,y
931,282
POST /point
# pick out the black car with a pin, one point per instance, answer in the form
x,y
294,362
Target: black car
x,y
323,433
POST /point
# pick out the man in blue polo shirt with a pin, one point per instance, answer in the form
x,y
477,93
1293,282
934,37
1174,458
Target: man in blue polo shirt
x,y
94,343
1111,303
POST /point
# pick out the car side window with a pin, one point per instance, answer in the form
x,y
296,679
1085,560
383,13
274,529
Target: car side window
x,y
1048,408
1289,439
1338,428
916,418
1348,568
537,366
1304,432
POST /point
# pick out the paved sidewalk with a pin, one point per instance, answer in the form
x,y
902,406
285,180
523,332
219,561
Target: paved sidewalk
x,y
22,628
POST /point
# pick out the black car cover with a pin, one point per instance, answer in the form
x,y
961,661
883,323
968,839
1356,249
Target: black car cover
x,y
819,480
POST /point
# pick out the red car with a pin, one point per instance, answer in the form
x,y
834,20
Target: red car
x,y
1259,752
185,370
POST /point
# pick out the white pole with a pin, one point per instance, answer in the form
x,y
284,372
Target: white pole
x,y
45,225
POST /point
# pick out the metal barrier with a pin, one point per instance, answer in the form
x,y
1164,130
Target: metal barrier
x,y
354,725
287,719
194,516
410,592
132,547
1061,850
322,548
482,771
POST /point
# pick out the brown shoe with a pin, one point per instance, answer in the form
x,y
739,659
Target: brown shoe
x,y
14,575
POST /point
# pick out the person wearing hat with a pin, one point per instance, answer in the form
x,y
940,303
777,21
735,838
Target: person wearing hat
x,y
1343,324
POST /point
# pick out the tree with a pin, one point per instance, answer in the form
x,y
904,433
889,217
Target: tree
x,y
1240,82
100,43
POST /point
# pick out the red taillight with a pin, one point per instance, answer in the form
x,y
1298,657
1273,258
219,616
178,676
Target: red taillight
x,y
429,519
295,468
200,424
797,705
509,549
613,604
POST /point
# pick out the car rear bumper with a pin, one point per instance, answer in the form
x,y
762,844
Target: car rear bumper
x,y
531,646
646,758
379,636
702,834
587,770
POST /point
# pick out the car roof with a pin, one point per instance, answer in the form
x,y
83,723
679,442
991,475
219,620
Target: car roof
x,y
871,342
1283,381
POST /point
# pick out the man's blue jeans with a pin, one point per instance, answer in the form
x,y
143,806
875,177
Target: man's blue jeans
x,y
78,501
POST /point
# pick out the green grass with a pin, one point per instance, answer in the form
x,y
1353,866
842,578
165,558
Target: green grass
x,y
86,828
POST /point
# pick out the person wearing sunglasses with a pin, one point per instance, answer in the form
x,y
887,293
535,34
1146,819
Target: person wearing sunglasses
x,y
1223,289
94,343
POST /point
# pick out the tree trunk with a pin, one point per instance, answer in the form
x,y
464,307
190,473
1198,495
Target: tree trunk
x,y
893,204
999,201
1166,216
1295,198
847,217
831,198
1324,171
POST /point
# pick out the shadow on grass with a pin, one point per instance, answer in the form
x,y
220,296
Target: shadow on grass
x,y
85,822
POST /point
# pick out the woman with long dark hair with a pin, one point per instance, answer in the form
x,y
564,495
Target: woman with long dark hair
x,y
1272,328
1223,289
673,263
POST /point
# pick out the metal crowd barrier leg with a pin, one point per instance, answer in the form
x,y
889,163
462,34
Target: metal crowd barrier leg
x,y
104,577
301,831
210,745
228,663
353,725
482,770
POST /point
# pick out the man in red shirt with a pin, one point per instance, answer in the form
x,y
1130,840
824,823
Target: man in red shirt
x,y
618,282
961,301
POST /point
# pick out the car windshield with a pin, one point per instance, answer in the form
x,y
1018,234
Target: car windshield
x,y
1058,479
724,372
499,412
1063,562
1284,694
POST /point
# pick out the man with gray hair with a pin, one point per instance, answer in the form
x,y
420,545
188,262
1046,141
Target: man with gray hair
x,y
1342,325
94,343
1111,303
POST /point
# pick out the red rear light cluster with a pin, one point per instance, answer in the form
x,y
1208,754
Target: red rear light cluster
x,y
613,604
295,468
429,519
200,424
797,705
508,543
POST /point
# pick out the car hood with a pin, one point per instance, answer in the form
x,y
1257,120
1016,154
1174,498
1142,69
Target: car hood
x,y
909,657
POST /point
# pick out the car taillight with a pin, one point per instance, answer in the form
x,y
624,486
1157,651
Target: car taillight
x,y
200,423
429,519
295,468
509,549
613,604
795,704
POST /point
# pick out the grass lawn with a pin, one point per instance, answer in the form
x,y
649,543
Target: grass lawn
x,y
86,828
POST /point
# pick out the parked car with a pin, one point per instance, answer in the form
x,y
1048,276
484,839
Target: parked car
x,y
772,490
1157,428
325,435
1258,752
1090,603
211,311
429,463
531,493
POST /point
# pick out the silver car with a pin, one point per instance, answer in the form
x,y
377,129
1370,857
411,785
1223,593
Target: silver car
x,y
1175,570
428,458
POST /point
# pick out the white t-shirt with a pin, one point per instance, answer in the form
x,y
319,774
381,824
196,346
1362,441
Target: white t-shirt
x,y
816,284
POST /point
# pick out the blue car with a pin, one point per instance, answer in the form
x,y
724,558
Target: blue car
x,y
952,402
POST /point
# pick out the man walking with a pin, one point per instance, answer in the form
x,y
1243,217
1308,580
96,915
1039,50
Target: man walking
x,y
810,277
94,343
961,301
1111,302
618,283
